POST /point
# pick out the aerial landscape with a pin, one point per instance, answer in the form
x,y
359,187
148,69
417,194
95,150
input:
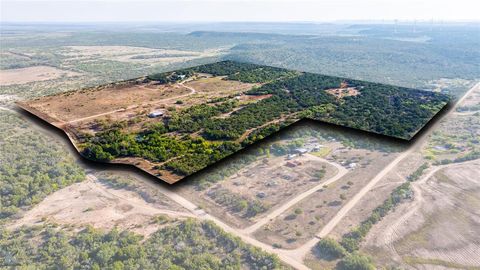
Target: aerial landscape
x,y
176,123
379,174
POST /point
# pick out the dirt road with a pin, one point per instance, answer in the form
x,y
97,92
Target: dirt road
x,y
341,172
95,203
192,91
201,214
295,257
301,252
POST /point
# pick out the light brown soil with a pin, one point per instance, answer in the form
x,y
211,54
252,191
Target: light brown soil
x,y
211,87
291,230
439,228
90,110
130,54
343,92
93,202
74,106
270,176
32,74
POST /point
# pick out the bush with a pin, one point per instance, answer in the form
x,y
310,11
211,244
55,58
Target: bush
x,y
356,261
329,249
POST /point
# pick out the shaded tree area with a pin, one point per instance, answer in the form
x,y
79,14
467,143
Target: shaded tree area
x,y
31,166
187,244
193,138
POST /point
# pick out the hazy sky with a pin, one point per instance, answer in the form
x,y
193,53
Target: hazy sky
x,y
235,10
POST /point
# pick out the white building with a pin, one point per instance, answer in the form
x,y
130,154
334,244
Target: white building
x,y
155,114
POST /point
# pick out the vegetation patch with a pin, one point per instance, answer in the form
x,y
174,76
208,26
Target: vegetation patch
x,y
177,125
183,245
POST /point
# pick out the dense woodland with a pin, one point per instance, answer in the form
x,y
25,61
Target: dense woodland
x,y
384,109
31,166
187,244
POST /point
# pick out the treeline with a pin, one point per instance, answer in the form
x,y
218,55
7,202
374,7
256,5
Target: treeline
x,y
199,157
351,241
31,166
170,77
389,110
191,154
244,72
329,249
262,75
251,116
385,109
188,245
475,154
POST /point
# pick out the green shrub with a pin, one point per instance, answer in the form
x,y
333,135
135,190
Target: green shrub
x,y
355,261
329,249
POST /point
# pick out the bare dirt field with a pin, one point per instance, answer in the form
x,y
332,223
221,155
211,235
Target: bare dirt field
x,y
343,92
74,106
120,100
304,220
439,228
32,74
132,54
268,181
219,86
379,193
95,202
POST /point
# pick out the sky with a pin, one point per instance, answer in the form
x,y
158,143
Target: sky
x,y
237,10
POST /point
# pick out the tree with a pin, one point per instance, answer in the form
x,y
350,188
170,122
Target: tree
x,y
329,249
355,261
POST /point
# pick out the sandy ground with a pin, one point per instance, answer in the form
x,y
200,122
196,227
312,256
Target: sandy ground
x,y
271,177
92,202
439,228
32,74
72,106
132,54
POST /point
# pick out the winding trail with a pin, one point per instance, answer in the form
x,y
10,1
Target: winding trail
x,y
192,91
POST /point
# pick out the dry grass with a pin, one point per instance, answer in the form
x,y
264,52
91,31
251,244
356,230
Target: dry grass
x,y
32,74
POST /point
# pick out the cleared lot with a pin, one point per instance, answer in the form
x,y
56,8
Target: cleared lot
x,y
439,228
33,74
